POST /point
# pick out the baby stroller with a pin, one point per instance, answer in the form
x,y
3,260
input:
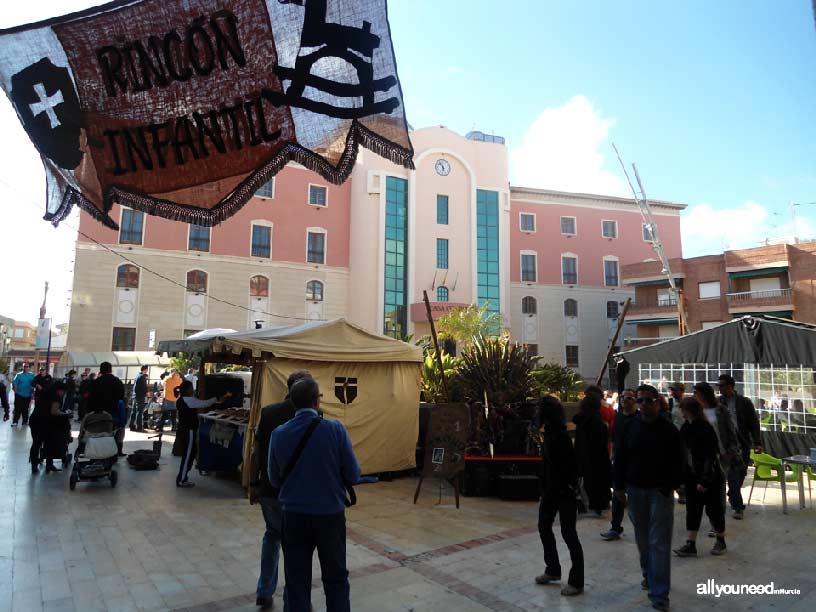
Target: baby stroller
x,y
96,450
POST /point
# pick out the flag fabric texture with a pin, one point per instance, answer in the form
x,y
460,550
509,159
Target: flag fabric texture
x,y
184,108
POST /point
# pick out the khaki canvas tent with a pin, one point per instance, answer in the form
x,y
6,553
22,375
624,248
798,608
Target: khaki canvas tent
x,y
370,383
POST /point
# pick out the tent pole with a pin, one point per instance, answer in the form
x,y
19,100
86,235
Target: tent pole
x,y
614,339
436,346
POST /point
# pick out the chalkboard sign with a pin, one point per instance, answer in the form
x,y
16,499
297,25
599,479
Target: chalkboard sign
x,y
446,440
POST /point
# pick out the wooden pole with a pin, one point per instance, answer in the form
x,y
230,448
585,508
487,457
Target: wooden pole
x,y
436,346
614,339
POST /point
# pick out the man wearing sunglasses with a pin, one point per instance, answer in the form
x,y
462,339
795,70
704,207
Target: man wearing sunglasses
x,y
649,463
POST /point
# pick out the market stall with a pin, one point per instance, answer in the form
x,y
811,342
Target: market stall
x,y
126,364
773,361
370,383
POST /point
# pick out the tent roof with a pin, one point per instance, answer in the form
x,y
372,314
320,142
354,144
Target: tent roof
x,y
335,340
117,358
759,339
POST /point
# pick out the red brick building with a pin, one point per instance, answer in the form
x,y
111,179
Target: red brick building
x,y
777,280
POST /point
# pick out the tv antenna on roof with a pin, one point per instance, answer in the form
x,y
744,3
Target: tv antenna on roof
x,y
657,245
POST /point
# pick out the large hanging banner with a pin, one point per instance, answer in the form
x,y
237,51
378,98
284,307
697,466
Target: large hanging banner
x,y
184,108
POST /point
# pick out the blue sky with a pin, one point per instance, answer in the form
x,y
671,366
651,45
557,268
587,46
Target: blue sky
x,y
713,100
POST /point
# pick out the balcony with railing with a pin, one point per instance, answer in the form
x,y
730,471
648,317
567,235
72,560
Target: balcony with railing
x,y
745,301
636,342
660,306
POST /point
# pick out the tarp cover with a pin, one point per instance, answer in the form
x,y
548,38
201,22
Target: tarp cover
x,y
760,340
335,340
184,108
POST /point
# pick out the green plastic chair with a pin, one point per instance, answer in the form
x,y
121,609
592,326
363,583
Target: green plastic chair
x,y
811,476
769,469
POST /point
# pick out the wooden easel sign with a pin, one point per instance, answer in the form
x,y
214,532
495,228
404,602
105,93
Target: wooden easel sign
x,y
445,446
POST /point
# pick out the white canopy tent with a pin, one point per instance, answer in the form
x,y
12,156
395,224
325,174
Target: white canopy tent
x,y
126,364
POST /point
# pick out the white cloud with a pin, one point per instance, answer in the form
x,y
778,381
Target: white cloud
x,y
707,230
562,150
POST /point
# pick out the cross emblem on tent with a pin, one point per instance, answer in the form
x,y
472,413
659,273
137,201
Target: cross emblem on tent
x,y
46,104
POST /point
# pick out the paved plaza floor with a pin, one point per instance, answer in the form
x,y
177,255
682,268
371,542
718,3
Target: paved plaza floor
x,y
147,545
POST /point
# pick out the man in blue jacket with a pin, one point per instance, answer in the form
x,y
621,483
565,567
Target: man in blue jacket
x,y
312,493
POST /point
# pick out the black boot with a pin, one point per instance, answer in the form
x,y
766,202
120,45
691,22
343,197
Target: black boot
x,y
50,467
35,469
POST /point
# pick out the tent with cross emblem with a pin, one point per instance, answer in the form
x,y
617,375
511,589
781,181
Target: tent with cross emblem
x,y
370,383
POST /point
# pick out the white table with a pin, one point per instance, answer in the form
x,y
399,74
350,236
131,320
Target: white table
x,y
801,460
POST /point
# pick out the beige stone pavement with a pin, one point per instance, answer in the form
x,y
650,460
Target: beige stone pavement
x,y
147,545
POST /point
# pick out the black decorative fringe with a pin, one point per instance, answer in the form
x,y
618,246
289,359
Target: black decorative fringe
x,y
232,203
72,198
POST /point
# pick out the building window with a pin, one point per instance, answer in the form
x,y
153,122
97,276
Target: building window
x,y
197,281
570,308
709,290
124,339
609,229
441,294
395,302
442,253
267,190
571,355
527,222
130,229
648,236
529,306
316,247
127,276
442,209
261,241
199,238
487,236
314,291
612,310
568,226
528,268
610,272
531,349
258,286
569,270
189,332
317,195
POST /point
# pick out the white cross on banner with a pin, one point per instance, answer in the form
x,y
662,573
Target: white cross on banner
x,y
46,104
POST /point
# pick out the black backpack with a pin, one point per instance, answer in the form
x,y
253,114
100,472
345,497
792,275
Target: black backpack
x,y
143,459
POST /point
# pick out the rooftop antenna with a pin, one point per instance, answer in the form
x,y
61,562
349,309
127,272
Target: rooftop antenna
x,y
657,245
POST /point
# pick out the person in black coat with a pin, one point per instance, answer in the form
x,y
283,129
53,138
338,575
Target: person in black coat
x,y
50,429
705,480
592,453
559,491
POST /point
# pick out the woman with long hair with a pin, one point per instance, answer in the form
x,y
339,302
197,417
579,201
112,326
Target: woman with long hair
x,y
592,453
705,480
559,492
188,406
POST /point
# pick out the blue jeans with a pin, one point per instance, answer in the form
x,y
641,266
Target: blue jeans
x,y
270,549
736,476
652,515
302,534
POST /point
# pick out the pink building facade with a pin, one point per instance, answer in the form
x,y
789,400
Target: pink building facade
x,y
565,284
366,250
